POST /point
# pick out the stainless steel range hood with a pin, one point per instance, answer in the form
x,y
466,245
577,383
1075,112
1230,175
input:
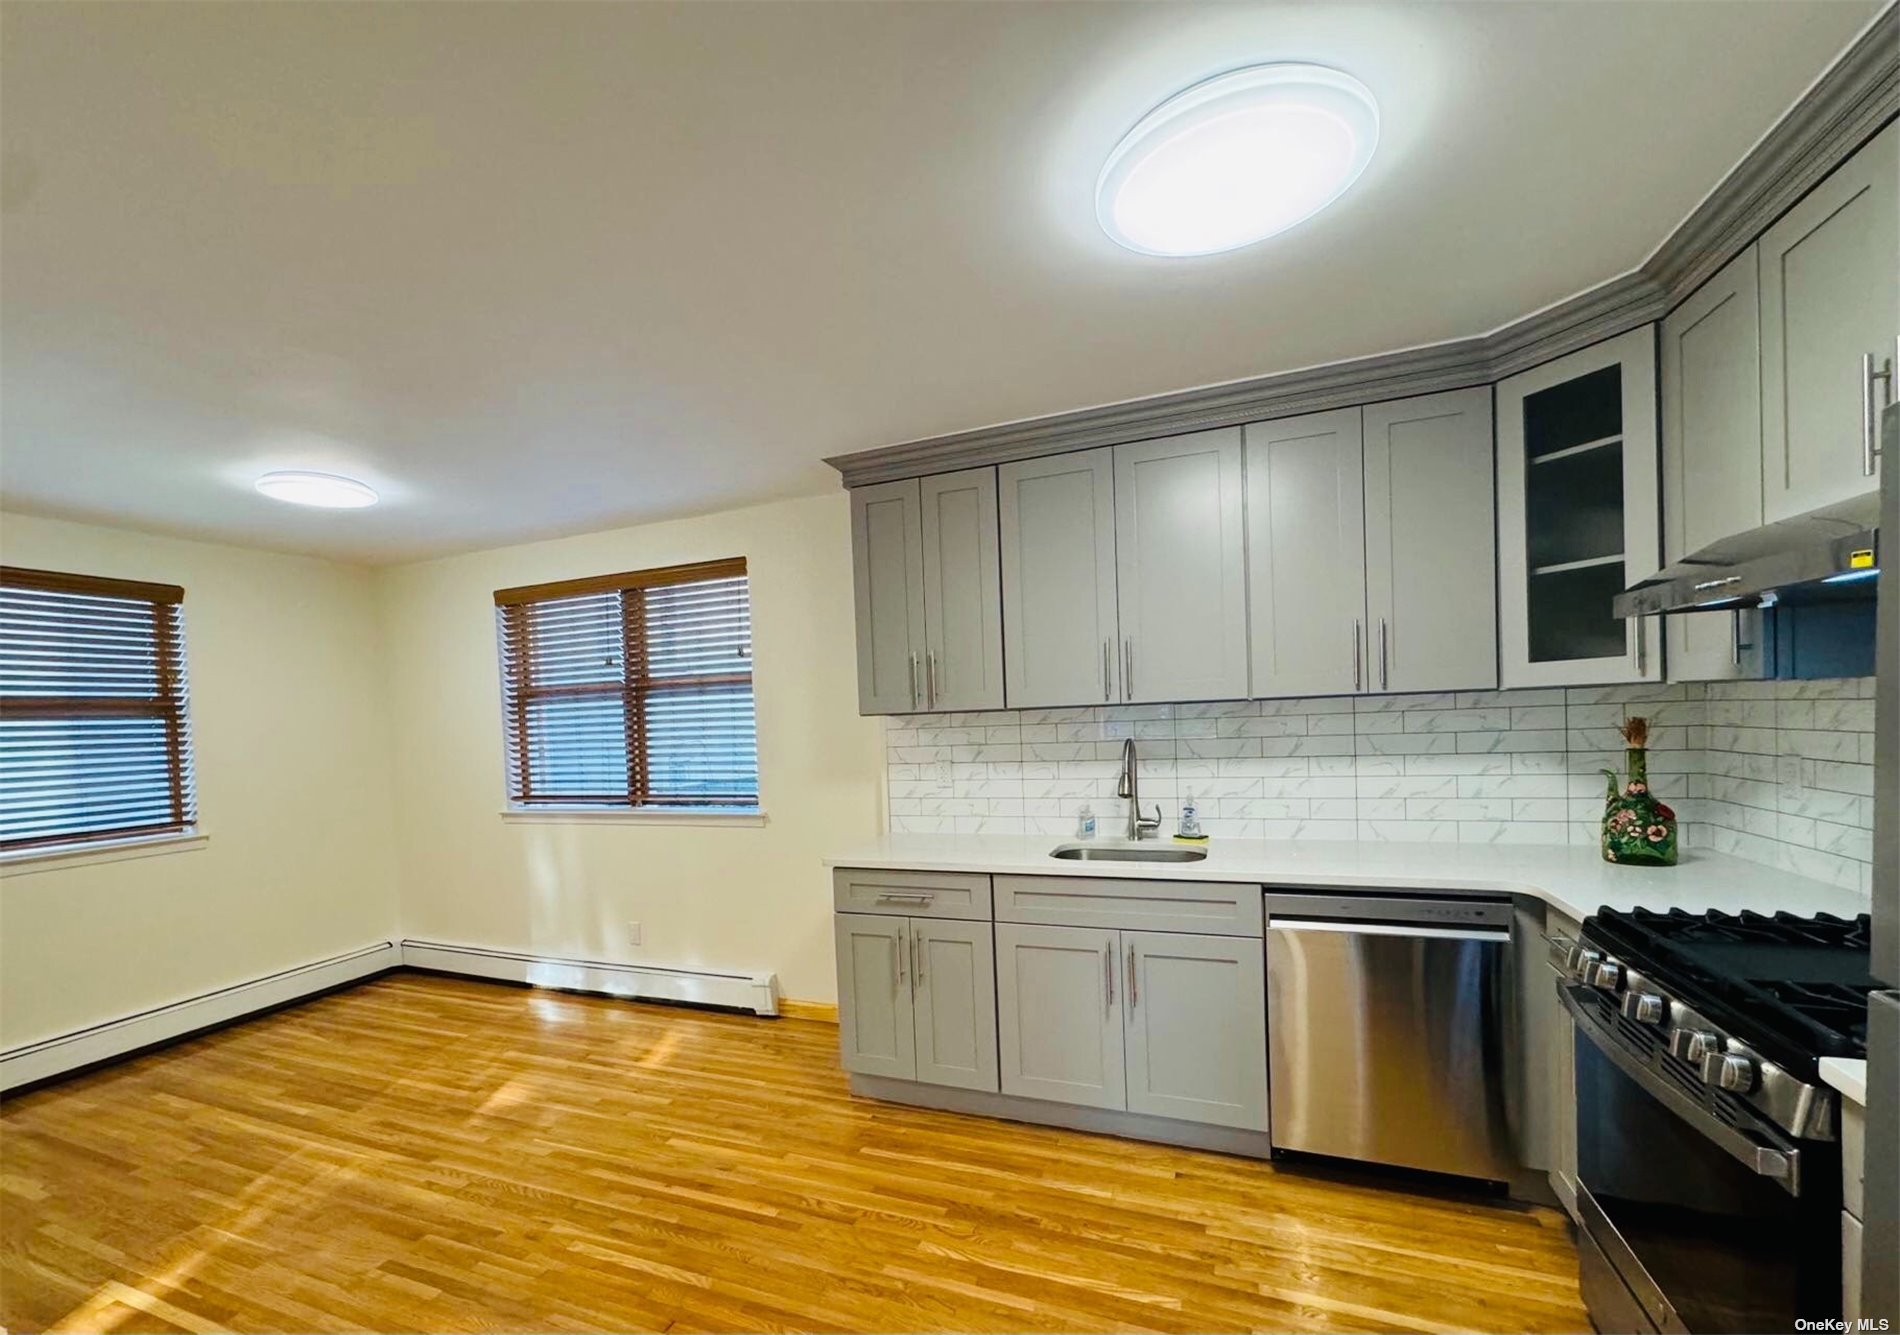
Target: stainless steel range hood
x,y
1827,555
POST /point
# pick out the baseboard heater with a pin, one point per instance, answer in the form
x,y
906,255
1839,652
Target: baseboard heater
x,y
31,1063
755,992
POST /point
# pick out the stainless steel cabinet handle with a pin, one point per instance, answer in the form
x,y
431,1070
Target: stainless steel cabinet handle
x,y
1106,651
1134,988
1356,671
1870,407
1128,669
1735,637
906,896
1384,670
897,962
916,960
930,679
1108,975
913,681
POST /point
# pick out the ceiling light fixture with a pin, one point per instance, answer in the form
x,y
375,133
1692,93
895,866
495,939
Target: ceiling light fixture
x,y
321,489
1237,158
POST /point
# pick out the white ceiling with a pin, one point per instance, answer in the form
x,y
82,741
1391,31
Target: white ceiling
x,y
534,269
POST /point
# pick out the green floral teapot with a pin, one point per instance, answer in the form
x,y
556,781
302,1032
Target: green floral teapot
x,y
1638,829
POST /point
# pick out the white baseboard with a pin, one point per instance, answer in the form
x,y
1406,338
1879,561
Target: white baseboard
x,y
33,1062
756,992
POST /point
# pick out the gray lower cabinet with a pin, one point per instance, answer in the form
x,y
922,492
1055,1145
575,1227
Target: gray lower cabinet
x,y
1196,1023
1830,311
876,1031
917,999
1160,1023
1058,1014
1181,567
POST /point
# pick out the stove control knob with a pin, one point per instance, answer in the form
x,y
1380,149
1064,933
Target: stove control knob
x,y
1730,1071
1645,1007
1606,975
1583,963
1692,1045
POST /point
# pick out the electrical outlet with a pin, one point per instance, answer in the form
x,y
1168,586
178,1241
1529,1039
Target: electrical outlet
x,y
945,774
633,933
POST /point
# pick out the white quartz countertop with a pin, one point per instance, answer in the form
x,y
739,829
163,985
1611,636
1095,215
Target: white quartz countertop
x,y
1575,881
1847,1075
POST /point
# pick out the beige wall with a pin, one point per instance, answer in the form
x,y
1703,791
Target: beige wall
x,y
726,897
290,739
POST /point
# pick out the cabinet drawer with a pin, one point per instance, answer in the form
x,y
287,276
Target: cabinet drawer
x,y
1208,907
916,894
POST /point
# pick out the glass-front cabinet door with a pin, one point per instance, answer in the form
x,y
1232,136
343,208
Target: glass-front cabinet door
x,y
1578,516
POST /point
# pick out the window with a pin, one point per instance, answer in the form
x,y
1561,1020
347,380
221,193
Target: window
x,y
631,690
94,740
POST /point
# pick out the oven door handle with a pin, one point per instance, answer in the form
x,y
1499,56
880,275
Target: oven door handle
x,y
1780,1162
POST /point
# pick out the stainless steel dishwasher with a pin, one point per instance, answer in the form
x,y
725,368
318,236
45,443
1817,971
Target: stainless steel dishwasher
x,y
1387,1020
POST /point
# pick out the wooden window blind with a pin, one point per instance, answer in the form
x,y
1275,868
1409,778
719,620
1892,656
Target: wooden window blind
x,y
94,738
631,690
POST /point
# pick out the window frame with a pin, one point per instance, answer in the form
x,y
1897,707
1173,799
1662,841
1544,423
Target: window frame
x,y
514,644
171,704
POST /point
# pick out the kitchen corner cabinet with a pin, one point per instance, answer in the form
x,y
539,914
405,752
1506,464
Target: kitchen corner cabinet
x,y
1369,548
1058,580
1830,313
1712,458
1160,1023
1578,515
929,609
1181,567
917,999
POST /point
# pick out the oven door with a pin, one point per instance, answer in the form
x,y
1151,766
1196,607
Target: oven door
x,y
1698,1215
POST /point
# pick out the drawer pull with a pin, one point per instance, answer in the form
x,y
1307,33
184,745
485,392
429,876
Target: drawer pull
x,y
906,896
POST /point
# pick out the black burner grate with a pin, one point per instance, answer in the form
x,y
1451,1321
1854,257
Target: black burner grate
x,y
1794,986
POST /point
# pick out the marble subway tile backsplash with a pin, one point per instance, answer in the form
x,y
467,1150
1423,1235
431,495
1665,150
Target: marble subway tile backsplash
x,y
1789,776
1479,766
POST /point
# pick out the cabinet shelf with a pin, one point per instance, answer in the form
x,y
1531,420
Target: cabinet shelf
x,y
1568,451
1616,558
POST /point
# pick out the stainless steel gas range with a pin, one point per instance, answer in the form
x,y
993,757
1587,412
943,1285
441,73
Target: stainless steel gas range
x,y
1708,1151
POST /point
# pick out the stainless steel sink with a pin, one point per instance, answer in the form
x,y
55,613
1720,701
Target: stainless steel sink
x,y
1127,853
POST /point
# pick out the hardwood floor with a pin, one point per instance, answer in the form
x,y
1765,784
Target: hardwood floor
x,y
430,1154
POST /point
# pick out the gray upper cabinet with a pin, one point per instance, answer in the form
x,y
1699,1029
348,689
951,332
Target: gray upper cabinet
x,y
1059,1014
1197,1028
963,609
1579,519
1306,570
1431,609
875,1030
1830,304
1712,457
887,558
924,570
1181,567
1058,580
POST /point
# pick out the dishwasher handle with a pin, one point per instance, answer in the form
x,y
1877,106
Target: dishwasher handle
x,y
1426,910
1496,935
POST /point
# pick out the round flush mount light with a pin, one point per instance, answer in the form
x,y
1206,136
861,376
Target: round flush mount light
x,y
321,489
1237,158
